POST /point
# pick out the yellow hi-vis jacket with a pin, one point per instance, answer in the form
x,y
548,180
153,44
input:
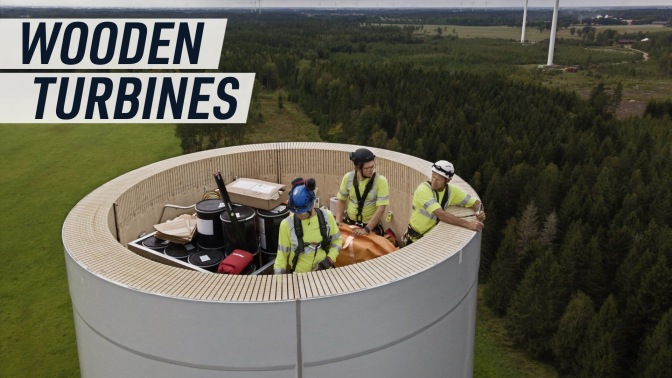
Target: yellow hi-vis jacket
x,y
288,243
425,202
378,196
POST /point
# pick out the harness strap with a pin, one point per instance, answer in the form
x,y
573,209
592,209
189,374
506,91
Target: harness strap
x,y
298,229
362,198
444,201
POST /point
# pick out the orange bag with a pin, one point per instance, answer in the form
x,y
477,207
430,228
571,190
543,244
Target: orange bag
x,y
361,248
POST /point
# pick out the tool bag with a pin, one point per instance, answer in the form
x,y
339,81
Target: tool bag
x,y
236,262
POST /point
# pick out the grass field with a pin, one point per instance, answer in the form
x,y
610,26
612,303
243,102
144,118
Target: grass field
x,y
288,124
531,34
46,169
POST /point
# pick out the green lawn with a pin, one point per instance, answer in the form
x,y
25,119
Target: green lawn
x,y
46,169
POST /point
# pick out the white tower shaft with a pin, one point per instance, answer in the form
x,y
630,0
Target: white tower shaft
x,y
554,26
522,38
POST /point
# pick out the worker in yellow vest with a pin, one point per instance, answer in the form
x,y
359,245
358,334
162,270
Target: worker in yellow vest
x,y
367,195
309,238
432,198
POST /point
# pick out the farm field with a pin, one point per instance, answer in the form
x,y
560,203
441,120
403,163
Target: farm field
x,y
531,34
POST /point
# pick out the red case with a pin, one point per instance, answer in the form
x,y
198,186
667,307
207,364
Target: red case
x,y
236,262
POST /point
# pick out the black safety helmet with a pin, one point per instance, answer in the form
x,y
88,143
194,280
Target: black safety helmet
x,y
361,156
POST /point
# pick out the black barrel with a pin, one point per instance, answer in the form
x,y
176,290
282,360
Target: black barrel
x,y
245,215
155,243
207,259
249,269
181,252
210,235
269,229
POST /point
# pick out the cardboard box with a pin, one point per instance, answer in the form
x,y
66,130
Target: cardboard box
x,y
256,193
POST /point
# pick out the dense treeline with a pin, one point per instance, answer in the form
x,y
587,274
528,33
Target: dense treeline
x,y
577,249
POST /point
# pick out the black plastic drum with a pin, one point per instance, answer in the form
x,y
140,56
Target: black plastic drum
x,y
207,259
210,235
245,216
249,269
155,243
181,252
269,229
267,257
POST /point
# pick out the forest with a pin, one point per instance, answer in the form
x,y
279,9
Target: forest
x,y
577,250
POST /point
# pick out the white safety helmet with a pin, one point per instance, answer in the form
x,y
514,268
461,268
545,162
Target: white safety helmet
x,y
444,168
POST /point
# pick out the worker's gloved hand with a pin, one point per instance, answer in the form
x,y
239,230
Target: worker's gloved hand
x,y
324,264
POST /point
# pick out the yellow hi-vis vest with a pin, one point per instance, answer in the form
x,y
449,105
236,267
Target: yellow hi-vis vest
x,y
288,243
378,196
425,202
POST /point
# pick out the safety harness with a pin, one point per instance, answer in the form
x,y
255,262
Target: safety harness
x,y
415,234
298,230
362,198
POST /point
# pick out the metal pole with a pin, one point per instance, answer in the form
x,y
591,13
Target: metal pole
x,y
522,38
551,46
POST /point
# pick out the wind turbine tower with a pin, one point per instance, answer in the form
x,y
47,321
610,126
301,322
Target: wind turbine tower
x,y
554,26
522,38
486,5
472,5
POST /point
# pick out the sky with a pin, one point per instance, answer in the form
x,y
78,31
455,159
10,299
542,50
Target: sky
x,y
328,3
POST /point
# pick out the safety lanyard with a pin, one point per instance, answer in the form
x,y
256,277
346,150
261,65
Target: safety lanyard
x,y
444,201
361,199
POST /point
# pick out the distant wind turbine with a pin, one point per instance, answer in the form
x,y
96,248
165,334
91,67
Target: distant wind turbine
x,y
522,37
486,5
554,26
472,5
460,5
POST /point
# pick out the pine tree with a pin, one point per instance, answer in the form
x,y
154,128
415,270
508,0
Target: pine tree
x,y
505,273
528,228
651,301
537,306
601,351
571,331
550,229
655,357
582,263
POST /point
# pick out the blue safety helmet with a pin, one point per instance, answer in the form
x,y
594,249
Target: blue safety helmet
x,y
302,196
